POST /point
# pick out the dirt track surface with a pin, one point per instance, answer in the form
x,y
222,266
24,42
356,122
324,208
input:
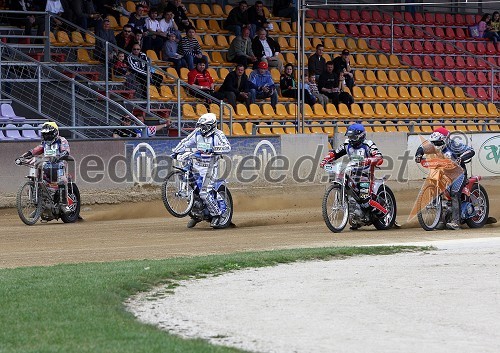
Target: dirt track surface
x,y
265,219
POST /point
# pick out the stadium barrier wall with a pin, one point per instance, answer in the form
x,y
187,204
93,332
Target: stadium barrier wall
x,y
259,161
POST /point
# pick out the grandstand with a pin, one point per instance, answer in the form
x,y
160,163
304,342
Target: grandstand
x,y
412,71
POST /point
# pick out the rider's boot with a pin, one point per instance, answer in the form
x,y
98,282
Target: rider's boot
x,y
215,221
455,214
192,222
63,192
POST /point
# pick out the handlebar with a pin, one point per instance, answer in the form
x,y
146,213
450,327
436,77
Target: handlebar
x,y
438,163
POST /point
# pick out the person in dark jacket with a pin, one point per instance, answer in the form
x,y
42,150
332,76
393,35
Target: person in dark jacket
x,y
236,87
257,18
285,8
341,64
180,17
104,31
266,49
137,19
85,13
125,39
140,65
317,63
289,88
237,18
328,83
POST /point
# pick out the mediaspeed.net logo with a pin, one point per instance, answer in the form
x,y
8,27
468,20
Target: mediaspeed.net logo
x,y
489,154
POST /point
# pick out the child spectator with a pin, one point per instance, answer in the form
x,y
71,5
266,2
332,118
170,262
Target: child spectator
x,y
313,88
170,52
120,67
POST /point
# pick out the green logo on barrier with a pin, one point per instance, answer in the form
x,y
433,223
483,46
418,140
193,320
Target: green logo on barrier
x,y
489,154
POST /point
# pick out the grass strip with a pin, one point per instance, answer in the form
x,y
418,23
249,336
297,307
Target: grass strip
x,y
78,307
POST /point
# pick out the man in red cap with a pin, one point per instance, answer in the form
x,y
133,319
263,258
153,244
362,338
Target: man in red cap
x,y
262,84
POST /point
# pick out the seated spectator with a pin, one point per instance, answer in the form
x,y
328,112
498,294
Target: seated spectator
x,y
125,39
316,64
180,17
126,133
495,22
140,66
106,34
257,18
328,83
28,21
344,97
200,78
236,87
85,13
240,49
189,48
313,89
120,67
289,88
138,37
341,64
137,19
262,85
237,18
168,25
486,30
170,52
154,37
285,8
267,49
152,127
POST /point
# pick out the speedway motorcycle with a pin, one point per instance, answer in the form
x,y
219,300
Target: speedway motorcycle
x,y
40,197
181,193
342,201
434,202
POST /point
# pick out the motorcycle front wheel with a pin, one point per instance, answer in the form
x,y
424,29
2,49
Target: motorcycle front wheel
x,y
385,197
28,208
177,194
335,208
430,208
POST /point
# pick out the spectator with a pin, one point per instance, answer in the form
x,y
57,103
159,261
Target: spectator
x,y
285,8
152,129
60,8
289,88
236,87
168,25
486,30
495,22
313,88
162,7
120,67
237,18
200,78
154,37
257,18
104,31
138,37
240,50
126,133
85,13
344,97
28,21
267,49
140,66
262,84
125,39
137,19
189,49
180,17
170,52
328,83
341,64
316,64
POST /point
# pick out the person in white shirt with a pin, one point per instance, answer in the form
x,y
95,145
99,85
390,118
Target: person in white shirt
x,y
153,37
168,25
266,49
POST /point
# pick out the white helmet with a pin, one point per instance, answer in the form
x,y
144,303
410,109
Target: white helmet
x,y
439,137
207,124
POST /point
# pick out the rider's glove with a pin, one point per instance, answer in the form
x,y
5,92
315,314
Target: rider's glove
x,y
174,155
327,159
372,161
458,161
418,158
27,155
197,154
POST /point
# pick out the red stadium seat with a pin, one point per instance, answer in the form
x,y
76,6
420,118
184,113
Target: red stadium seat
x,y
376,44
355,17
398,17
386,31
377,17
311,14
344,16
429,32
449,48
322,15
406,60
364,31
386,17
482,64
333,14
428,47
408,32
449,62
471,92
417,61
406,47
459,20
353,30
450,33
409,17
427,62
439,19
419,33
450,18
459,47
366,16
417,47
492,60
482,79
429,18
470,20
470,62
342,28
460,62
439,76
376,32
496,95
490,48
439,32
481,93
471,47
439,48
460,78
439,62
398,32
418,18
460,33
481,49
448,77
396,46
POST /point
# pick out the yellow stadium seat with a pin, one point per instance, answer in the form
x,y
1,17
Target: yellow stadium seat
x,y
319,29
188,112
378,126
330,130
193,10
130,6
309,29
225,129
201,109
290,128
493,126
370,77
277,128
330,29
268,111
264,130
166,92
416,79
448,110
392,77
482,111
391,111
460,111
241,112
395,63
357,93
426,93
437,111
492,110
155,95
460,95
404,78
471,110
383,62
222,41
249,128
319,111
238,130
437,93
403,111
83,57
254,111
113,23
359,77
370,93
426,110
351,45
77,39
316,128
448,93
403,93
415,94
368,110
283,43
472,126
371,61
331,110
340,44
285,28
381,93
363,46
415,112
281,112
427,78
184,74
344,111
361,61
217,11
382,77
380,112
356,111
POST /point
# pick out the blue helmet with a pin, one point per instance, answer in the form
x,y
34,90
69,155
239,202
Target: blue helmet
x,y
356,134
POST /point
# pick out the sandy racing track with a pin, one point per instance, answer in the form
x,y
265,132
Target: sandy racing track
x,y
264,219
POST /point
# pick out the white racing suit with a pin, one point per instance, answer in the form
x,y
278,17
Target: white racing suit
x,y
205,161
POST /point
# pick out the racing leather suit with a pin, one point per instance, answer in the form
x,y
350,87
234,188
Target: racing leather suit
x,y
205,161
459,153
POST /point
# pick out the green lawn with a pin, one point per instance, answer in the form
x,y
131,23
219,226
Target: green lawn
x,y
78,308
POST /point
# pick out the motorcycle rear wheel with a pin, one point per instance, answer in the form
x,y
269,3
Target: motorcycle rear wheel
x,y
74,195
335,208
227,215
177,202
483,207
385,197
27,209
430,207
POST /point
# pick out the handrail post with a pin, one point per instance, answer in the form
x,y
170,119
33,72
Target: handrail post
x,y
106,80
178,81
39,85
73,108
392,35
46,50
492,85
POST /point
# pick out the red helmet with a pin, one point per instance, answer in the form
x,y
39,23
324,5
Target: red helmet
x,y
439,137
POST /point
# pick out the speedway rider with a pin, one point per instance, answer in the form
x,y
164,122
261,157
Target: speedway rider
x,y
55,148
356,146
457,152
209,142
